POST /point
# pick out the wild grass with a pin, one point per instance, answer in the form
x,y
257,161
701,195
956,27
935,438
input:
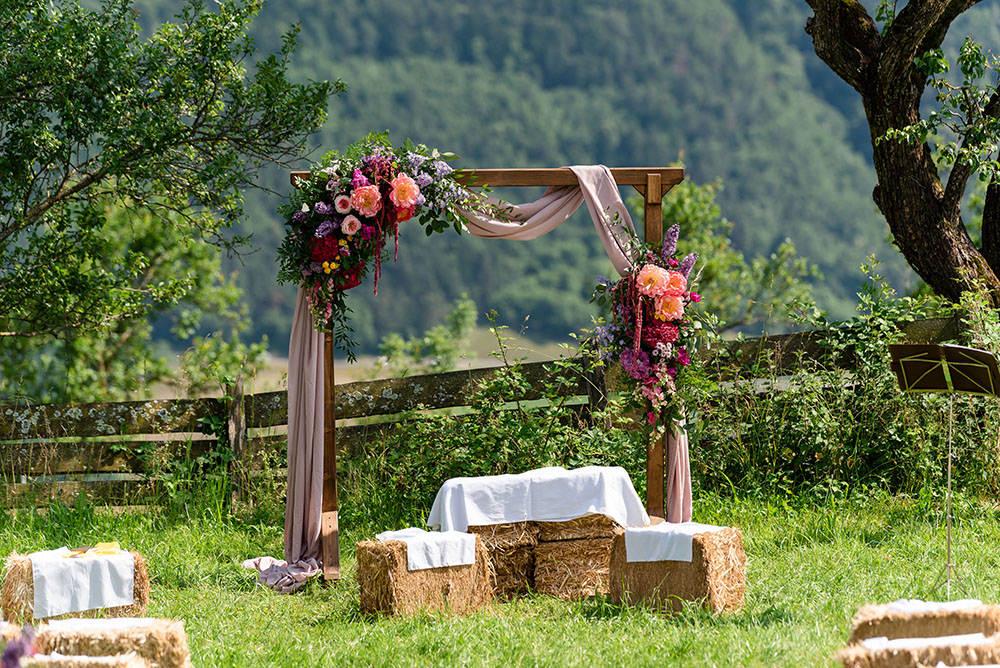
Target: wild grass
x,y
810,566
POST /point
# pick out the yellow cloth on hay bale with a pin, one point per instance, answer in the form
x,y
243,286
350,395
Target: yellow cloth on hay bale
x,y
17,593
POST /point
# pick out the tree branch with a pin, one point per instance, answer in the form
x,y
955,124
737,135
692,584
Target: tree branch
x,y
961,172
844,37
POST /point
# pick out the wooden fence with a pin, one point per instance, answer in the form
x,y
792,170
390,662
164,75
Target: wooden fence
x,y
113,451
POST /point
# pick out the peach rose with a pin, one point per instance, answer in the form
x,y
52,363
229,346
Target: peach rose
x,y
351,225
652,280
342,203
669,307
366,200
676,284
404,191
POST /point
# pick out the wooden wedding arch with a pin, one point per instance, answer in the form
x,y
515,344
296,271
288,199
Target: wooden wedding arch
x,y
653,183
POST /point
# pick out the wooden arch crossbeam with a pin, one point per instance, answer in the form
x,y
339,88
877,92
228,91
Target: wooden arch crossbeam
x,y
653,183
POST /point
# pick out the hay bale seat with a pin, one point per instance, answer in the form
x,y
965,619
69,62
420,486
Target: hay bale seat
x,y
716,575
389,587
873,621
588,526
8,632
511,550
946,650
573,569
160,642
130,660
17,594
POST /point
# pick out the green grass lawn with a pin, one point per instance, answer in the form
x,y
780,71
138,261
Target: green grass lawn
x,y
810,566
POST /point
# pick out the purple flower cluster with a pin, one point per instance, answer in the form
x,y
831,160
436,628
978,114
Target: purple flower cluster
x,y
18,649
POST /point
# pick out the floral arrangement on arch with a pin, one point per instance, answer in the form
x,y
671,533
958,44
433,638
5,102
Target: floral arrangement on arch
x,y
342,215
649,329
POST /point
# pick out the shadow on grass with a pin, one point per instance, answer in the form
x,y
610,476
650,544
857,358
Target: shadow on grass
x,y
601,608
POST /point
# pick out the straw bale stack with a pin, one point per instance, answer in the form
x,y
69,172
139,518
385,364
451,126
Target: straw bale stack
x,y
573,569
161,642
130,660
17,594
715,575
389,587
874,621
983,653
9,632
588,526
511,550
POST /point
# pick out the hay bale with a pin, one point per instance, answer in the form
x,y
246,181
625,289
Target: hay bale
x,y
715,575
588,526
573,569
874,621
8,632
511,550
389,587
941,651
161,642
17,594
513,534
129,660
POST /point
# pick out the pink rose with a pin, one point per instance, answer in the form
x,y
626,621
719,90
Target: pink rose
x,y
404,191
342,203
652,280
351,225
366,200
669,308
676,284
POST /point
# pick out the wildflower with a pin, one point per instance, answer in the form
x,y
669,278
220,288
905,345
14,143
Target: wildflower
x,y
687,264
299,217
695,297
682,356
367,232
670,242
359,180
423,180
322,208
324,229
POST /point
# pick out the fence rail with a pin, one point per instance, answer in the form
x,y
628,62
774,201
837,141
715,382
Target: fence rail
x,y
111,451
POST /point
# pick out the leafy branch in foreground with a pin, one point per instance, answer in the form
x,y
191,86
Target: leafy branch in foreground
x,y
178,125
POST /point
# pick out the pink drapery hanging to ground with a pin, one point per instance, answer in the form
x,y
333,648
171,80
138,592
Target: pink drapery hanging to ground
x,y
303,504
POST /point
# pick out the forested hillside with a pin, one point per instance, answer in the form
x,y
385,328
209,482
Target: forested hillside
x,y
731,88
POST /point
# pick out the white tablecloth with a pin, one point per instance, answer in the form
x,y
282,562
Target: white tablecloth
x,y
914,643
434,549
545,495
73,585
915,605
663,542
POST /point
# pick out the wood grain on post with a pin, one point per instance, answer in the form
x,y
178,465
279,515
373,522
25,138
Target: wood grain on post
x,y
329,529
655,455
236,427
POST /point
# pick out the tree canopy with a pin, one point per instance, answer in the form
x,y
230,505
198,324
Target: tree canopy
x,y
176,125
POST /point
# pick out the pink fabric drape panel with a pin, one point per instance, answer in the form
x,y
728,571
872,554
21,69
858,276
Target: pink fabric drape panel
x,y
677,489
304,501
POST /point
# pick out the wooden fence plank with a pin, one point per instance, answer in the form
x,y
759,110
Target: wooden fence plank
x,y
55,457
99,492
107,419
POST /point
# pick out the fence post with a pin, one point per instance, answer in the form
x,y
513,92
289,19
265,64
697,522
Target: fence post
x,y
236,428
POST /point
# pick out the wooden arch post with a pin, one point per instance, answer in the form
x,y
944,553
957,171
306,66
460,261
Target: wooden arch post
x,y
653,183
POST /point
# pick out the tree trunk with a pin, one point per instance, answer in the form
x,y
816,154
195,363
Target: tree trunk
x,y
924,219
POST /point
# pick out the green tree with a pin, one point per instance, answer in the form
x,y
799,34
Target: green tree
x,y
175,126
121,361
738,292
891,67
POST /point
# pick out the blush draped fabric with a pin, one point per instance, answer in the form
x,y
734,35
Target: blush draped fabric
x,y
303,505
304,496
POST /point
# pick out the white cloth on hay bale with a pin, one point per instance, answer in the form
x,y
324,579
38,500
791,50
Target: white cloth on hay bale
x,y
913,643
63,585
434,549
916,606
550,494
664,542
